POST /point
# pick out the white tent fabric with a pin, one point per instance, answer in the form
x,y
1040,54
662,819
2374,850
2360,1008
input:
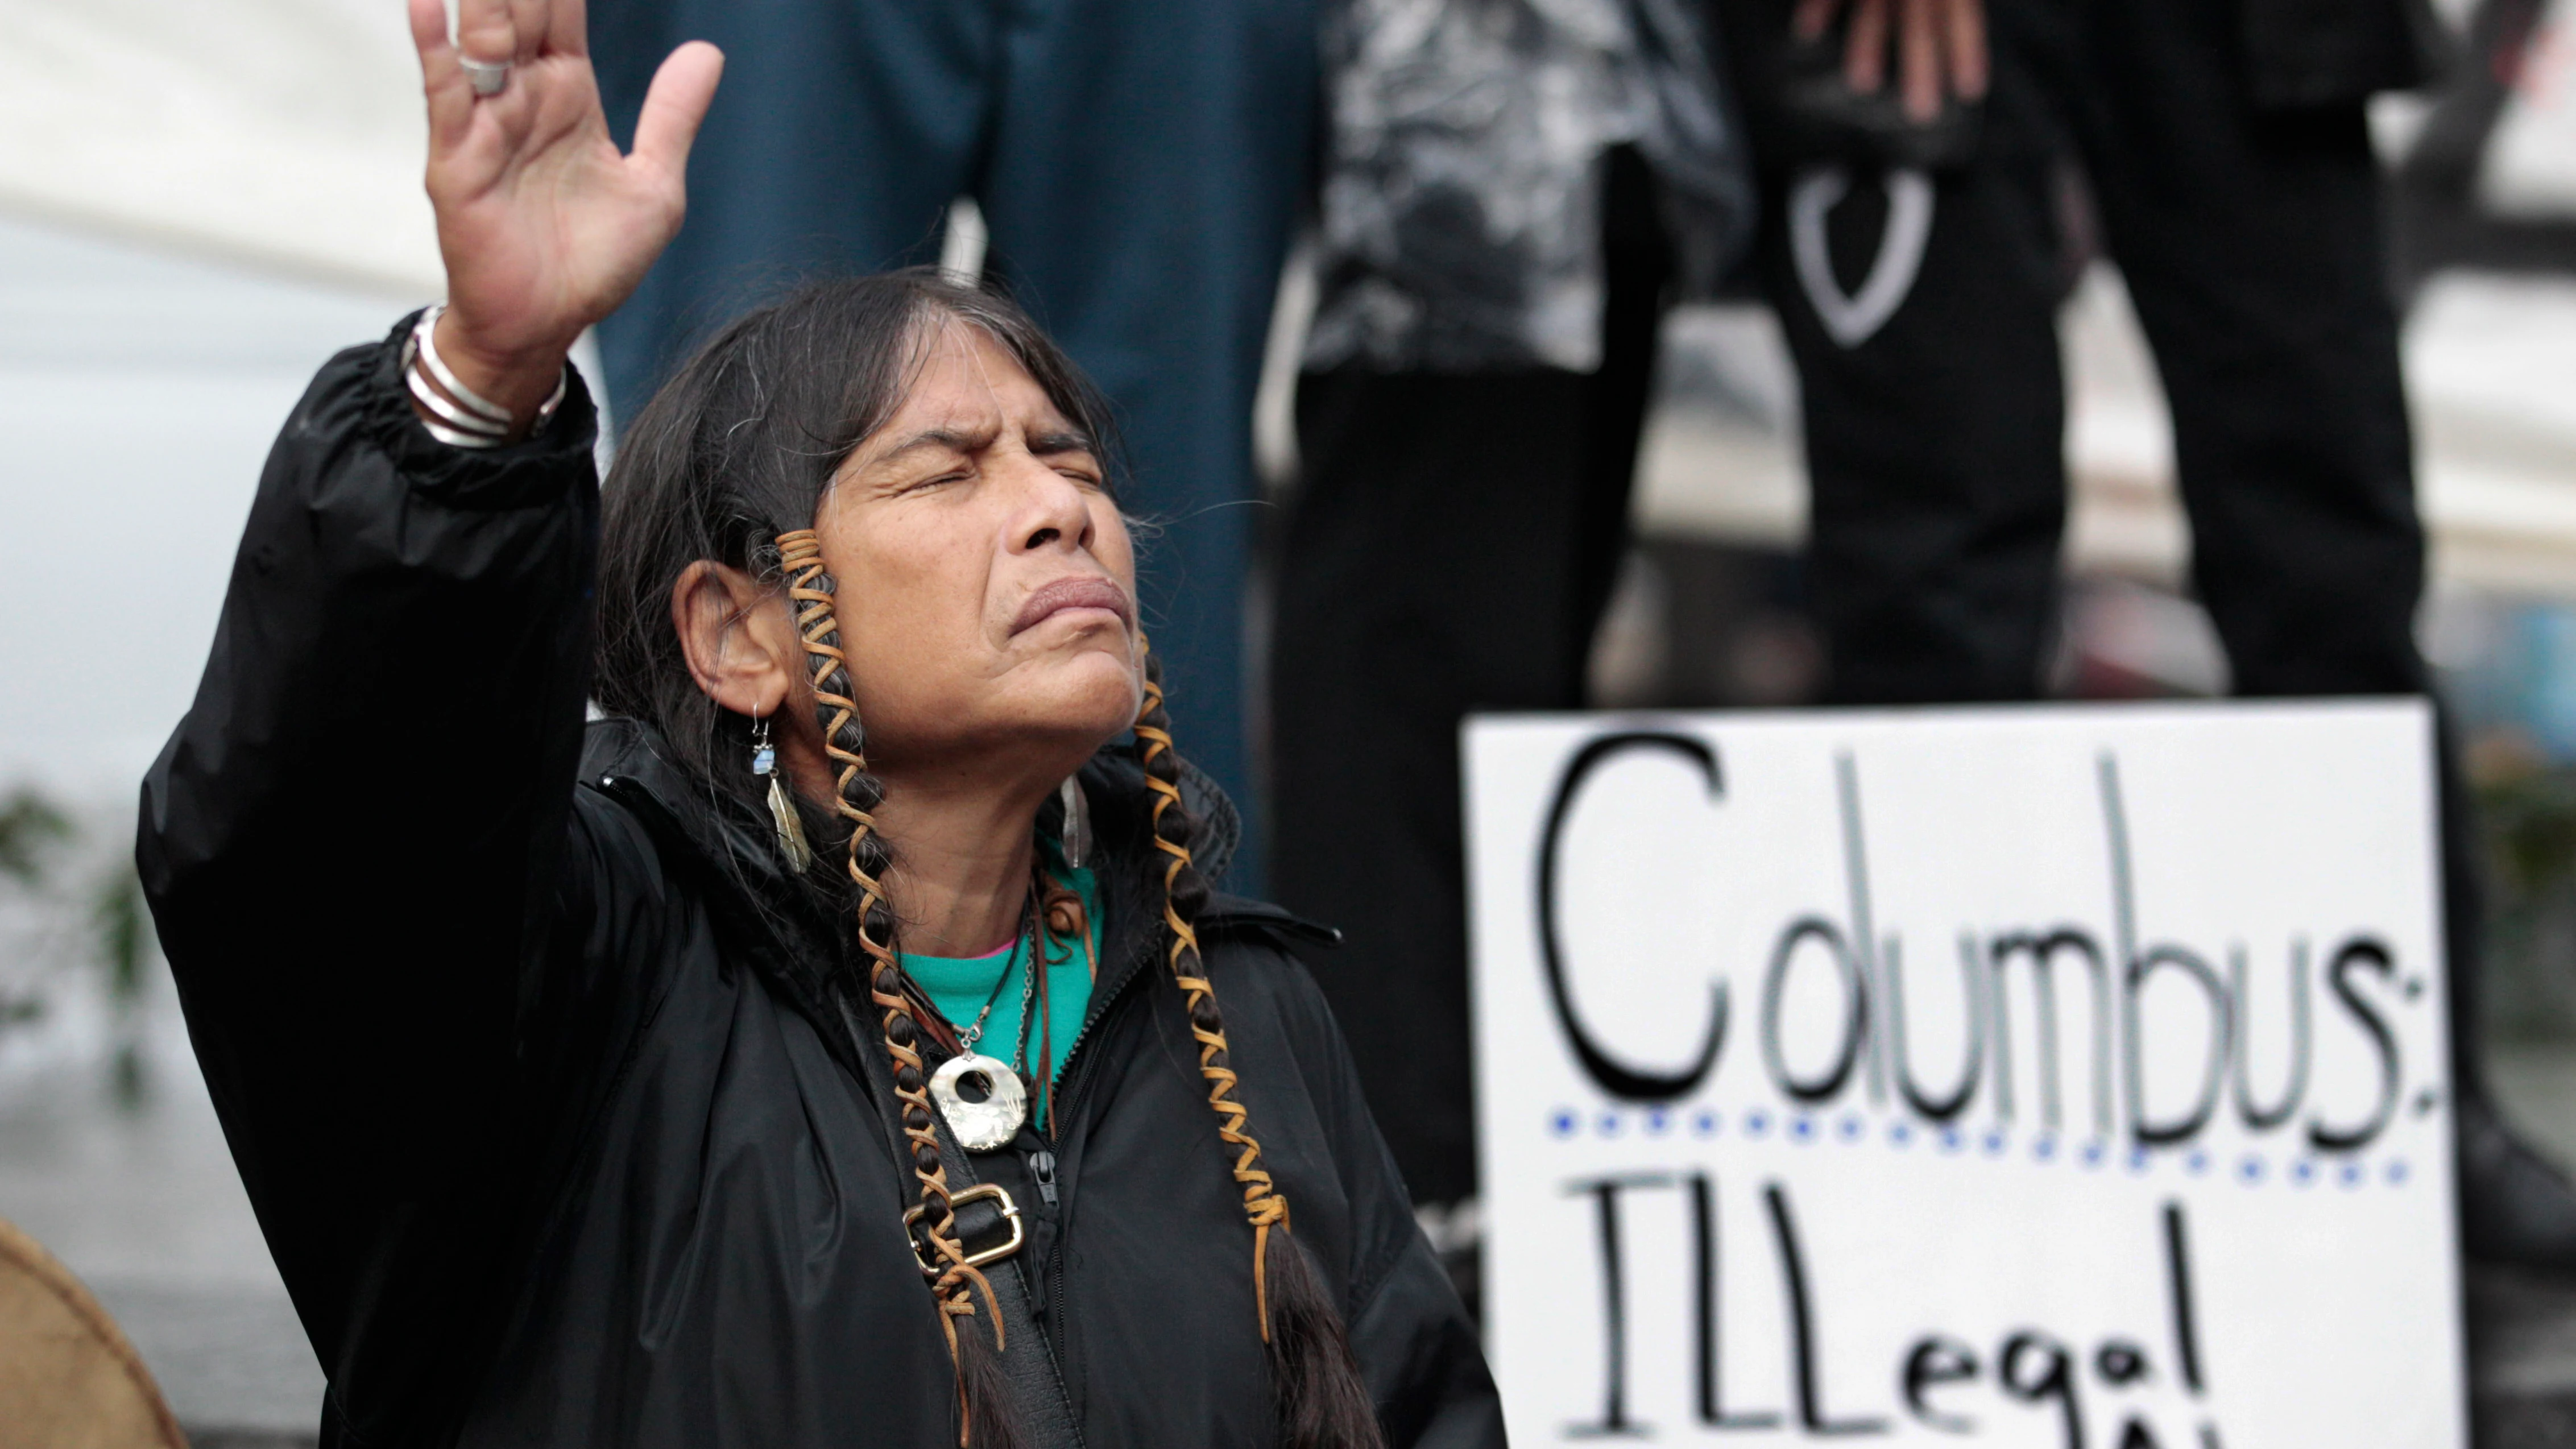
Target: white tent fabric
x,y
284,132
2530,164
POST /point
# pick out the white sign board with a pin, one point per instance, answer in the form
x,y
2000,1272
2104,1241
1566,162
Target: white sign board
x,y
2040,1077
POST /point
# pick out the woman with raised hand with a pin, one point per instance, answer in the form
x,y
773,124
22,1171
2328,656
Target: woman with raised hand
x,y
839,1041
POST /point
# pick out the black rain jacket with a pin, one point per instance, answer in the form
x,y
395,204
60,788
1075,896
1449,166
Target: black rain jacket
x,y
522,1049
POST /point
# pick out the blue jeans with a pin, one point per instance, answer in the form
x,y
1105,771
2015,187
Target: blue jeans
x,y
1139,164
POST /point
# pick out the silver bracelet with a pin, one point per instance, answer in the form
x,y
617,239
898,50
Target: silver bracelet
x,y
479,422
426,331
470,432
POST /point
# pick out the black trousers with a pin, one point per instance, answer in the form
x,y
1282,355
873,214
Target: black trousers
x,y
1452,543
2252,245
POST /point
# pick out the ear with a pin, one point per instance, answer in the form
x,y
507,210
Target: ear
x,y
741,645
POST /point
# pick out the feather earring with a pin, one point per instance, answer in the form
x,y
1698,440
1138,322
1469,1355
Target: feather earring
x,y
1077,822
782,807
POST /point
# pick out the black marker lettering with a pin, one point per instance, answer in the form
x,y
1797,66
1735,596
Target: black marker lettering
x,y
1614,1304
2364,952
1802,1332
1864,962
1936,1361
2042,951
1935,1109
2057,1381
2136,967
1855,1016
1611,1076
2186,1327
2120,1363
2213,1072
2258,1118
1708,1313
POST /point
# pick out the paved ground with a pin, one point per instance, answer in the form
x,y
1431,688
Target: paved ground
x,y
2522,1333
147,1209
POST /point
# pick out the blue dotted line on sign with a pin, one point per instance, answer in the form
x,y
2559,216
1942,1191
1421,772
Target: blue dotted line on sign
x,y
1804,1129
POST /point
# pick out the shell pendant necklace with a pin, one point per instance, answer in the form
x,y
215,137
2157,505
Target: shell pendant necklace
x,y
982,1126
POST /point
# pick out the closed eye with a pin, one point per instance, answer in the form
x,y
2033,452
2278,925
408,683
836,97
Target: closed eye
x,y
954,475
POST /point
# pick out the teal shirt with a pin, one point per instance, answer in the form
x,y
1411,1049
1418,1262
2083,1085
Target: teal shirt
x,y
960,985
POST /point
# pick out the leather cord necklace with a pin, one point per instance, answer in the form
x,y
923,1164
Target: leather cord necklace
x,y
973,1031
983,1126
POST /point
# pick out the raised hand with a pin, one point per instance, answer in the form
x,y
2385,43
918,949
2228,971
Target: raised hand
x,y
543,225
1940,46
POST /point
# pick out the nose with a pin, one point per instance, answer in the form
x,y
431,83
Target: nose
x,y
1052,509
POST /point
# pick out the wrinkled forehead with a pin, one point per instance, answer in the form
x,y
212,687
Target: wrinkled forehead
x,y
962,386
953,361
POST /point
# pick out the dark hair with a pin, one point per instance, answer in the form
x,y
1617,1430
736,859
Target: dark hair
x,y
729,462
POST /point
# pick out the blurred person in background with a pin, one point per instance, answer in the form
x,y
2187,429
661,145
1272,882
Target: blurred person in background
x,y
824,1046
1915,244
1513,191
1138,165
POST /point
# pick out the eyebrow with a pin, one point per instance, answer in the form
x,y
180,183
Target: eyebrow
x,y
945,438
1052,443
1060,441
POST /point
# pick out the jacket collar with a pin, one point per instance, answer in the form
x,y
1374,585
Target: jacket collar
x,y
786,936
629,758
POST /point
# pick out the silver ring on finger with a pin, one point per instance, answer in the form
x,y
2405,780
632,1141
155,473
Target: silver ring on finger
x,y
488,77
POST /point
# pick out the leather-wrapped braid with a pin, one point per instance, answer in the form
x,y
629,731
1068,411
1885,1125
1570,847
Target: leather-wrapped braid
x,y
1314,1379
983,1414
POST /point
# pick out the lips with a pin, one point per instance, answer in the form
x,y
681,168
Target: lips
x,y
1091,592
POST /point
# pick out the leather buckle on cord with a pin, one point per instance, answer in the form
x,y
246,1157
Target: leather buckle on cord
x,y
972,1227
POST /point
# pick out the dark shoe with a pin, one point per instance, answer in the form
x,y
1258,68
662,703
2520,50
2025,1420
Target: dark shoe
x,y
2516,1210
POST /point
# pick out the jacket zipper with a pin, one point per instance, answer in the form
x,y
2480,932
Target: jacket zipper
x,y
1073,1059
1066,1096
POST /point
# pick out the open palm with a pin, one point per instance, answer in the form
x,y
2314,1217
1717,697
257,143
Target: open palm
x,y
543,225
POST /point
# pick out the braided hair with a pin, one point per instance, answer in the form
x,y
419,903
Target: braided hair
x,y
1313,1378
730,461
981,1392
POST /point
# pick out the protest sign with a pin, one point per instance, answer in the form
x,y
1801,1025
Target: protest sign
x,y
2038,1076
